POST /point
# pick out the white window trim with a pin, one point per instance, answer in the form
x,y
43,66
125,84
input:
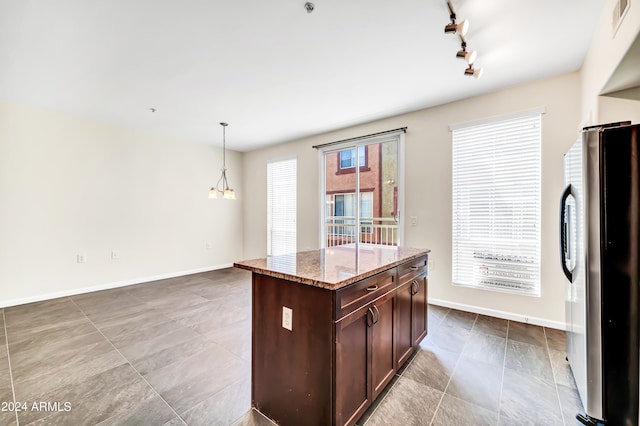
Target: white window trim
x,y
502,117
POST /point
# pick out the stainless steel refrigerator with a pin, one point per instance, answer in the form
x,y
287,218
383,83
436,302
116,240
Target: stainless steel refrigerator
x,y
600,251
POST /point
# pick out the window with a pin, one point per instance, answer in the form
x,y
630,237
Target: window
x,y
343,214
344,207
366,212
348,158
281,207
496,204
362,204
340,208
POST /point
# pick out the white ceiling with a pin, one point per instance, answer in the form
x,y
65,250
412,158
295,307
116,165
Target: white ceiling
x,y
270,69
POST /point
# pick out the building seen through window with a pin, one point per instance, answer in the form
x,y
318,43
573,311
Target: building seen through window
x,y
375,201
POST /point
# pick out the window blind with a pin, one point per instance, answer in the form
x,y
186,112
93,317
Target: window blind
x,y
281,207
496,205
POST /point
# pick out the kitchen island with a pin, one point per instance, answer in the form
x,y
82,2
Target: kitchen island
x,y
331,327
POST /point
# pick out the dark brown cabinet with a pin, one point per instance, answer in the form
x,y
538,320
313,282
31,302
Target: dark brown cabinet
x,y
418,289
352,385
344,347
412,316
365,345
412,307
383,354
404,336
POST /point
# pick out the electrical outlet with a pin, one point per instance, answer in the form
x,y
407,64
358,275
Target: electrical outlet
x,y
209,245
287,318
81,258
414,221
115,255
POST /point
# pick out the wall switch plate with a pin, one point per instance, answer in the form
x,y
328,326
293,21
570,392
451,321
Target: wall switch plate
x,y
209,245
414,221
81,258
115,255
287,318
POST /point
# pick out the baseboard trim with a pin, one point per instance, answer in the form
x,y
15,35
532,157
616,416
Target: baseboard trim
x,y
511,316
108,286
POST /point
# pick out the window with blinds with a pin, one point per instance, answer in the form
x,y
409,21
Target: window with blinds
x,y
281,207
496,204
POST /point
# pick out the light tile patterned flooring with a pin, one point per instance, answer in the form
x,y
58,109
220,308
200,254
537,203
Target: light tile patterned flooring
x,y
177,352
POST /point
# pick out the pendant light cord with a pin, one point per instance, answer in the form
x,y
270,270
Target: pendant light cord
x,y
223,177
224,137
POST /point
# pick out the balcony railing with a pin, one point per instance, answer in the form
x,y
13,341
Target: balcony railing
x,y
341,230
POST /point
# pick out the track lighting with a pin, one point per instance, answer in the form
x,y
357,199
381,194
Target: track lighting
x,y
470,56
477,73
461,29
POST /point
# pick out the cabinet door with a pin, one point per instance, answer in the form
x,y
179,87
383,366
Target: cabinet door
x,y
352,385
419,309
405,337
383,359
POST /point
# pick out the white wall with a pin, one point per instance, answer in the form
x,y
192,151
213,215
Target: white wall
x,y
72,186
428,189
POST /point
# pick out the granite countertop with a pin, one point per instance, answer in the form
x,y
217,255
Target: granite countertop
x,y
334,267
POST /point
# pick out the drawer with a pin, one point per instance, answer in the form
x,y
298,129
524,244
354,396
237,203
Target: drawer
x,y
410,270
356,295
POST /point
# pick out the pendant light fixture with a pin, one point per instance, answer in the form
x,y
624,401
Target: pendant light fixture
x,y
222,186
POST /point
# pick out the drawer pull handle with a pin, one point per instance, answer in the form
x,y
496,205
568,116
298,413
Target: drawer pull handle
x,y
372,288
414,268
415,290
373,317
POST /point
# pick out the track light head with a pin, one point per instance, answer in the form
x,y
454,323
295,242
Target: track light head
x,y
460,28
477,73
469,56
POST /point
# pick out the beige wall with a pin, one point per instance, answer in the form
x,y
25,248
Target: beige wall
x,y
72,186
255,203
607,49
428,189
616,109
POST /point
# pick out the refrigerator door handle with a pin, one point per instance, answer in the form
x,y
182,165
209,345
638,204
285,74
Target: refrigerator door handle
x,y
564,233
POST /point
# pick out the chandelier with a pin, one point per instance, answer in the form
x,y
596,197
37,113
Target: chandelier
x,y
222,186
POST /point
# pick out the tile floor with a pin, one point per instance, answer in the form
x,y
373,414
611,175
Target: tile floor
x,y
177,352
